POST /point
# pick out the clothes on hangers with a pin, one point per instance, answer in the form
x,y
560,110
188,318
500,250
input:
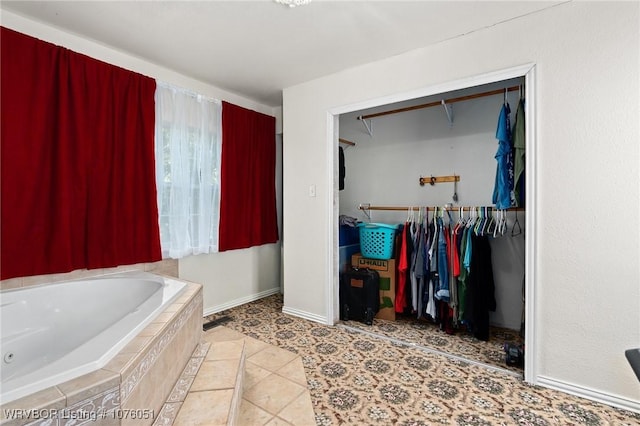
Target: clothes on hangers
x,y
519,145
419,268
503,187
445,273
480,291
403,265
442,291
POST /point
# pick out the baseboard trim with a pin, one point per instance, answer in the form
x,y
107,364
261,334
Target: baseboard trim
x,y
240,301
305,315
593,395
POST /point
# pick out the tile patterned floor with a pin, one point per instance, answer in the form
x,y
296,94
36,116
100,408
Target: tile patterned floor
x,y
361,379
274,386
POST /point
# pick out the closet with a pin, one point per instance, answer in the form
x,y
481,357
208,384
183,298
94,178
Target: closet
x,y
434,160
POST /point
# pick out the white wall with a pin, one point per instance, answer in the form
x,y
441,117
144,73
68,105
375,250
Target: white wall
x,y
586,154
228,278
384,169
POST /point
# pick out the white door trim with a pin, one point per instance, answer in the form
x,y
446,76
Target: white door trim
x,y
526,70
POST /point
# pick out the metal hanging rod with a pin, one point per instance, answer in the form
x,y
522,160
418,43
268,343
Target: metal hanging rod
x,y
439,103
346,142
451,208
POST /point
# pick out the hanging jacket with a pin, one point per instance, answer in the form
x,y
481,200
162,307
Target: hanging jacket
x,y
481,288
442,292
503,186
519,154
402,267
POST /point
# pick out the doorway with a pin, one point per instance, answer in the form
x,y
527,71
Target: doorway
x,y
527,75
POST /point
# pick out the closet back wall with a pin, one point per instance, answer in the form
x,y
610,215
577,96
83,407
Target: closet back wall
x,y
384,170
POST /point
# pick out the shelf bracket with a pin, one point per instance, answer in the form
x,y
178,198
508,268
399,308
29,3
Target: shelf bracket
x,y
368,126
448,109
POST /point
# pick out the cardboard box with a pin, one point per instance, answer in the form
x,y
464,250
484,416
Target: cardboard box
x,y
387,271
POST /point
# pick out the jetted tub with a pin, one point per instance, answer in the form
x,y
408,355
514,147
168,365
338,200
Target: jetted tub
x,y
56,332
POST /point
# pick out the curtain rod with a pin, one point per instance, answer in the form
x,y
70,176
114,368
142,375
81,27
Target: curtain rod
x,y
452,208
439,103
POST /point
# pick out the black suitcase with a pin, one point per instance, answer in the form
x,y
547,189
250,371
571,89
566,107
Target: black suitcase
x,y
359,295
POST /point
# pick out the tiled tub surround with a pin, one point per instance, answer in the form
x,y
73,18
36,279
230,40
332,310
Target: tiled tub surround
x,y
129,389
51,333
167,267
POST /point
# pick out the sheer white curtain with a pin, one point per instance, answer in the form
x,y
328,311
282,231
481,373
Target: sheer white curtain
x,y
188,150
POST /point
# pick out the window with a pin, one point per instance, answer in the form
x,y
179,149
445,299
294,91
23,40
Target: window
x,y
188,155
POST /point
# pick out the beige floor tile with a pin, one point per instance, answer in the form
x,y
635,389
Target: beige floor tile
x,y
273,393
294,370
206,408
277,421
216,375
253,374
220,334
300,411
272,358
251,346
231,349
253,415
274,383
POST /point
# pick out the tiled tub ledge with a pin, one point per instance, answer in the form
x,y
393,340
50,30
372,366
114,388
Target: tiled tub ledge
x,y
133,386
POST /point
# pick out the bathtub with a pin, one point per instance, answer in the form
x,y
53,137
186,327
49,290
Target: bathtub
x,y
54,333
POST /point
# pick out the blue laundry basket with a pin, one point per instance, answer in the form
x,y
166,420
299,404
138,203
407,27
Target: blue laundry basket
x,y
376,240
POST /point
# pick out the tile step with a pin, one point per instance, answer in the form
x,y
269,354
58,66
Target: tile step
x,y
235,379
209,391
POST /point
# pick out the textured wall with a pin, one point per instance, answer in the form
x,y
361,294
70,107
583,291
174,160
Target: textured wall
x,y
587,270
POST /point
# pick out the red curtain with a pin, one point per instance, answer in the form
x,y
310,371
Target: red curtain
x,y
77,158
248,195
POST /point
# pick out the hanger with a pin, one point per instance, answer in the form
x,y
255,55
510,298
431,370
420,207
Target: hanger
x,y
448,214
478,225
460,222
515,233
502,221
487,220
472,217
491,227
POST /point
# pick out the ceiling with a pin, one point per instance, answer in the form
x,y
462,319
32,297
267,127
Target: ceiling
x,y
258,48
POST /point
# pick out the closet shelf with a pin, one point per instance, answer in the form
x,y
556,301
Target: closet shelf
x,y
439,103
